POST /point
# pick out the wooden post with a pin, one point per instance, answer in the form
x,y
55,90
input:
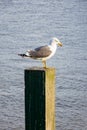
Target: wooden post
x,y
40,99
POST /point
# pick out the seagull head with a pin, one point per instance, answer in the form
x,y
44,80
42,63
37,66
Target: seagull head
x,y
55,40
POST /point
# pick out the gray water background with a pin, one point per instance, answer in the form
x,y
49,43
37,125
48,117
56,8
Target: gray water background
x,y
27,24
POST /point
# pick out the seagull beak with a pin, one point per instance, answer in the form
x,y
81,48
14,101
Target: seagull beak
x,y
60,44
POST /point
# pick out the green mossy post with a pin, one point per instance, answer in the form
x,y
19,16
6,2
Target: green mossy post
x,y
40,99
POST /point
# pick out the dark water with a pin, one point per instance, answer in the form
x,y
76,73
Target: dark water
x,y
27,24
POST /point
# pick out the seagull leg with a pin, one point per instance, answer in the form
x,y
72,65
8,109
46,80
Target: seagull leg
x,y
44,63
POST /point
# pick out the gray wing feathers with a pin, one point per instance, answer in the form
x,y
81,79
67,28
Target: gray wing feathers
x,y
40,52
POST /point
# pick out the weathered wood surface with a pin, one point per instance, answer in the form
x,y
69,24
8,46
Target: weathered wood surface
x,y
40,99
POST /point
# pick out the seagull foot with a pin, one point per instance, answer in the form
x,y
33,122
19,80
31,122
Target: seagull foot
x,y
44,64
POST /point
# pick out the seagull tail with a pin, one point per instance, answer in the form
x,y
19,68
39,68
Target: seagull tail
x,y
23,55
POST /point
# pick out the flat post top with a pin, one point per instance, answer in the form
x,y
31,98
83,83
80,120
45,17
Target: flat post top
x,y
40,69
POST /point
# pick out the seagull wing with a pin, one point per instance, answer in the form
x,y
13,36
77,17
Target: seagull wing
x,y
40,52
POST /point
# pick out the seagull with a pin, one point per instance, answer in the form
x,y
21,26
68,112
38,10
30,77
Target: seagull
x,y
43,53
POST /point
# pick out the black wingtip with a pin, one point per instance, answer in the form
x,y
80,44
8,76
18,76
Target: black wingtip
x,y
23,55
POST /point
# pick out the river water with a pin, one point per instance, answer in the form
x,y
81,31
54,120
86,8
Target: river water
x,y
27,24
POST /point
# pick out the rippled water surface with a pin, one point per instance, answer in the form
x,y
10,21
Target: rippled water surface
x,y
27,24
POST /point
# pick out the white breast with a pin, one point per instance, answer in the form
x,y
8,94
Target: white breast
x,y
53,48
